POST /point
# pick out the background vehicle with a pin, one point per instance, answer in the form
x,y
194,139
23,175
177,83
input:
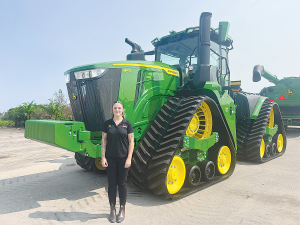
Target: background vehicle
x,y
189,119
285,92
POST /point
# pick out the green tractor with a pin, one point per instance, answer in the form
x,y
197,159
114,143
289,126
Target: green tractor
x,y
286,93
190,121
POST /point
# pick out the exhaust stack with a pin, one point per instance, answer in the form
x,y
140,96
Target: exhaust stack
x,y
203,72
136,53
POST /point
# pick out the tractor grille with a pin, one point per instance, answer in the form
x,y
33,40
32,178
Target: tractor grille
x,y
290,111
91,99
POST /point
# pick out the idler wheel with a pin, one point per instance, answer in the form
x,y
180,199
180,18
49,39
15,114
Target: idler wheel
x,y
273,149
207,170
267,151
193,175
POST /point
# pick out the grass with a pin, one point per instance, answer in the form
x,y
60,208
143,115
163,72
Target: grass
x,y
4,123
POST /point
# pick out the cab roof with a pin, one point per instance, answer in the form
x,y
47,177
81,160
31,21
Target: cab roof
x,y
190,33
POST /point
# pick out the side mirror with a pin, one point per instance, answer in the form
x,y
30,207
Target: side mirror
x,y
223,31
257,73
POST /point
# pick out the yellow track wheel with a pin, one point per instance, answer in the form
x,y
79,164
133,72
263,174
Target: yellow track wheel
x,y
224,159
99,165
271,120
279,142
176,175
201,124
262,148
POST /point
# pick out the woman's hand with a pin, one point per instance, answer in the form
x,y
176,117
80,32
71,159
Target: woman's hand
x,y
104,162
127,163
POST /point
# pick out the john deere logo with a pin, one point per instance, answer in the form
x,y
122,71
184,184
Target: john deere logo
x,y
289,91
74,96
109,126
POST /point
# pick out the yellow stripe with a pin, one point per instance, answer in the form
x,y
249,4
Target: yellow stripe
x,y
168,71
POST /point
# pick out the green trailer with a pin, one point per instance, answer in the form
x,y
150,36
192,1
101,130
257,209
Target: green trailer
x,y
285,92
191,122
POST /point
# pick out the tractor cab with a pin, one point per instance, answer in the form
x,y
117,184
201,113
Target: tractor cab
x,y
180,49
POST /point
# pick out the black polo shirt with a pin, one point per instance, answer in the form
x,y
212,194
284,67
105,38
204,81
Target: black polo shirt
x,y
117,138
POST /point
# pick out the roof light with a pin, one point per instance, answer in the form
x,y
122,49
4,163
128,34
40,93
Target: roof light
x,y
86,74
281,97
271,100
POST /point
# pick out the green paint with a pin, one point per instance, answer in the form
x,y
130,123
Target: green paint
x,y
271,131
257,108
270,77
70,135
201,144
193,157
289,89
225,29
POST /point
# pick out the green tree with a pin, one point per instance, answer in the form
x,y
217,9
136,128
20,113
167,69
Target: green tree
x,y
23,112
28,109
56,108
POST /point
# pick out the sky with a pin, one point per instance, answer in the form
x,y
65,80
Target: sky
x,y
41,39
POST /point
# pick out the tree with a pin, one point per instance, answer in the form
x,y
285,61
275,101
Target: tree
x,y
23,112
28,108
56,108
59,98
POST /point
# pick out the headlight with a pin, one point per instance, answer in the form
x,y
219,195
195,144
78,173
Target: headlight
x,y
67,77
85,74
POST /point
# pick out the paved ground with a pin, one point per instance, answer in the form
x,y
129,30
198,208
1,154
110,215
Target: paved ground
x,y
41,184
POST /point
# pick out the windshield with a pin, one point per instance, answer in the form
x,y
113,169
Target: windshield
x,y
181,53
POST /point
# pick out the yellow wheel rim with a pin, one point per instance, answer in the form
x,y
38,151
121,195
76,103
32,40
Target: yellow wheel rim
x,y
201,124
262,148
224,160
280,143
176,175
271,120
99,165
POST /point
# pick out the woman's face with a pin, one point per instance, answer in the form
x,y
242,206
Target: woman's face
x,y
118,109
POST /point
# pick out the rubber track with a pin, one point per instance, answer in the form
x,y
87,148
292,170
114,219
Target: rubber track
x,y
153,157
250,134
84,162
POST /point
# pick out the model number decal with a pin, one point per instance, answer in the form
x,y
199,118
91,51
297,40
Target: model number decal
x,y
127,70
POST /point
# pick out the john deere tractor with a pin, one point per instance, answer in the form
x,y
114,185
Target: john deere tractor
x,y
285,92
190,121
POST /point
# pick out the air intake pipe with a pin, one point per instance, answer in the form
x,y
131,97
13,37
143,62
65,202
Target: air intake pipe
x,y
136,53
203,72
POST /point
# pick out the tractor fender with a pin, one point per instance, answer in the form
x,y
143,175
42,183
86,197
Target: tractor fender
x,y
258,107
248,105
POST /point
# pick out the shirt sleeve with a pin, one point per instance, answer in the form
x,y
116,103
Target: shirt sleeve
x,y
104,129
129,128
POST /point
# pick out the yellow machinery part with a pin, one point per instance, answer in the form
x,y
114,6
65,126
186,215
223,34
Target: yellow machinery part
x,y
176,175
262,148
224,159
201,124
270,123
279,143
98,164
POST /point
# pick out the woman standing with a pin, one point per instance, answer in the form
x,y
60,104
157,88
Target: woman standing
x,y
117,148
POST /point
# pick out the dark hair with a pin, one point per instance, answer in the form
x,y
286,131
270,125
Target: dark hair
x,y
123,113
